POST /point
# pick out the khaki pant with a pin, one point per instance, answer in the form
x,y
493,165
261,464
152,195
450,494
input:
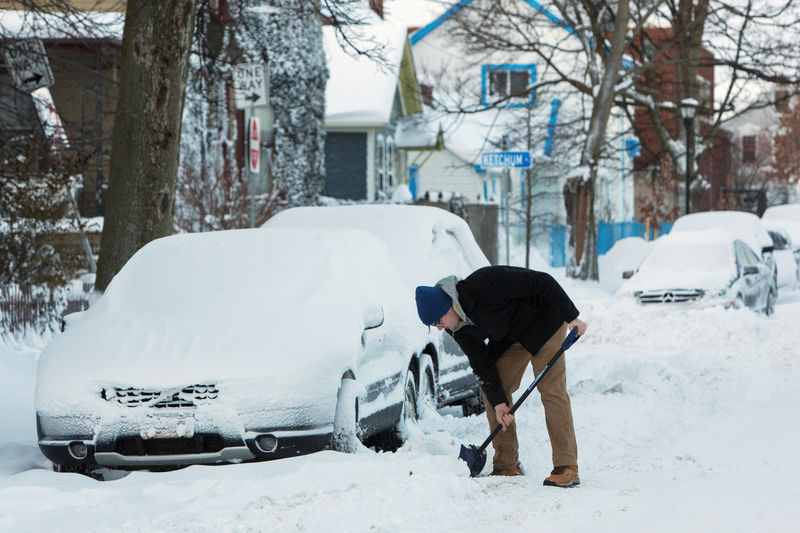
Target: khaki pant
x,y
553,389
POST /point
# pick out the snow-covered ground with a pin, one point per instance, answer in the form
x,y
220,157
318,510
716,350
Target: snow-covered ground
x,y
686,421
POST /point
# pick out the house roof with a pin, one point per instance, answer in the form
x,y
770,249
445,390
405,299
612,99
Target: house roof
x,y
85,25
458,6
360,91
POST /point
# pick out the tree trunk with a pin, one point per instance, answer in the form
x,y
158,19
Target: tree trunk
x,y
583,205
147,129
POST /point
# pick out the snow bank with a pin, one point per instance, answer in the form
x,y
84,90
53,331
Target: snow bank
x,y
626,254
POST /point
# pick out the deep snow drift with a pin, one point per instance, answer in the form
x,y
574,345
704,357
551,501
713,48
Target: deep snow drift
x,y
686,421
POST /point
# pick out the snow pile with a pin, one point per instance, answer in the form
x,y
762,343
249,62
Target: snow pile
x,y
626,255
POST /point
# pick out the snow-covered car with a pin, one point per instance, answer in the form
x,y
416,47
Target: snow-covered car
x,y
744,226
782,212
786,253
426,244
702,268
243,345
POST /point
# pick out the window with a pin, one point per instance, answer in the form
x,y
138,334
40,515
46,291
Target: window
x,y
380,162
390,162
748,149
508,81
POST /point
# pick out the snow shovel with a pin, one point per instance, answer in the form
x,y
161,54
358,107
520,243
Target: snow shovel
x,y
475,457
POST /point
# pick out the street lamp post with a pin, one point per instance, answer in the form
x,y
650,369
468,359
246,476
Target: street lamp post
x,y
688,109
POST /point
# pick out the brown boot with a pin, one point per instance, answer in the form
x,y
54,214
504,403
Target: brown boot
x,y
563,476
516,471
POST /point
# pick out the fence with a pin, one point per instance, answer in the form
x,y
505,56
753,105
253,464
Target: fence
x,y
608,233
39,309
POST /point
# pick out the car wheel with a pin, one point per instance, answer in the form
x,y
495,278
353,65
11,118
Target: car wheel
x,y
410,398
345,421
390,440
738,303
473,406
770,308
426,400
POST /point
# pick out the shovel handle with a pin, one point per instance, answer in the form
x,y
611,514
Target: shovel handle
x,y
569,341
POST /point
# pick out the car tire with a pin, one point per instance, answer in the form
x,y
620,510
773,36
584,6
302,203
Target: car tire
x,y
738,303
473,406
410,411
426,392
769,310
345,436
391,439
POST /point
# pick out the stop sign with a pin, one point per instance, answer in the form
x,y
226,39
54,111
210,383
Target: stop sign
x,y
255,145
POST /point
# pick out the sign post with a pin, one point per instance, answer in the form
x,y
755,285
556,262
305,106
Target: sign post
x,y
26,61
250,91
506,160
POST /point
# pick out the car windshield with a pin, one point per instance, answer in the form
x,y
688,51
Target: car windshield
x,y
689,256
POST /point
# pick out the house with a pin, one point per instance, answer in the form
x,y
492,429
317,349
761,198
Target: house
x,y
366,102
754,155
480,104
86,78
656,190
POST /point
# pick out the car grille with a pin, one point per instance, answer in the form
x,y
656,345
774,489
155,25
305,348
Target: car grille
x,y
137,446
191,396
669,296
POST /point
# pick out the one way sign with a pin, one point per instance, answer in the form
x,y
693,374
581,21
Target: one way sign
x,y
27,62
250,85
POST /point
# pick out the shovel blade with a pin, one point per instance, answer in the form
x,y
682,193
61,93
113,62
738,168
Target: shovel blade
x,y
474,458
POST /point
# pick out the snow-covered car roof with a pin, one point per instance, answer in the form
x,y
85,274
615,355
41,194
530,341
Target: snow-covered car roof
x,y
238,304
784,212
426,243
745,226
702,259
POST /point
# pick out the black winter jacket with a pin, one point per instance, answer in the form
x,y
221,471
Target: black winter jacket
x,y
506,305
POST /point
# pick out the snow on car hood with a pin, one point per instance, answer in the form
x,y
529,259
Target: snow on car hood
x,y
687,260
278,311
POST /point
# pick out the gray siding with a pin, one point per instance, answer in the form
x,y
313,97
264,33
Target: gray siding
x,y
346,165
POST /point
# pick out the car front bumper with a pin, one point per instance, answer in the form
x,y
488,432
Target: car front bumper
x,y
131,449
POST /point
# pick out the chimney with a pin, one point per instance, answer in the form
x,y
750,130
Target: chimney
x,y
377,7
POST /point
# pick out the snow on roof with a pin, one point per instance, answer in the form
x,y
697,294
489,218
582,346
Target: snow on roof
x,y
85,25
415,235
745,226
414,13
417,132
785,211
360,91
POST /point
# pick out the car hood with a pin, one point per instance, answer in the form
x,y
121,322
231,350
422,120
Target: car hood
x,y
278,314
711,281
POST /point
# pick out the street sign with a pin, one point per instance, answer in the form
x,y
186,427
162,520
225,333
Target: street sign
x,y
26,60
506,159
255,145
250,85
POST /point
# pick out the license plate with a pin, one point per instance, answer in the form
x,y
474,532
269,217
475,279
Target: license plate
x,y
182,428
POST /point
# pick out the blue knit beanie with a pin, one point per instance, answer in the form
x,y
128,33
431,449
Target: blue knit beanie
x,y
432,304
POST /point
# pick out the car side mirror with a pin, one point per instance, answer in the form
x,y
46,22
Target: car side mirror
x,y
628,274
752,269
373,315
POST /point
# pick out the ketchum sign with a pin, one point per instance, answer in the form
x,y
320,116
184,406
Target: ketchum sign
x,y
506,159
